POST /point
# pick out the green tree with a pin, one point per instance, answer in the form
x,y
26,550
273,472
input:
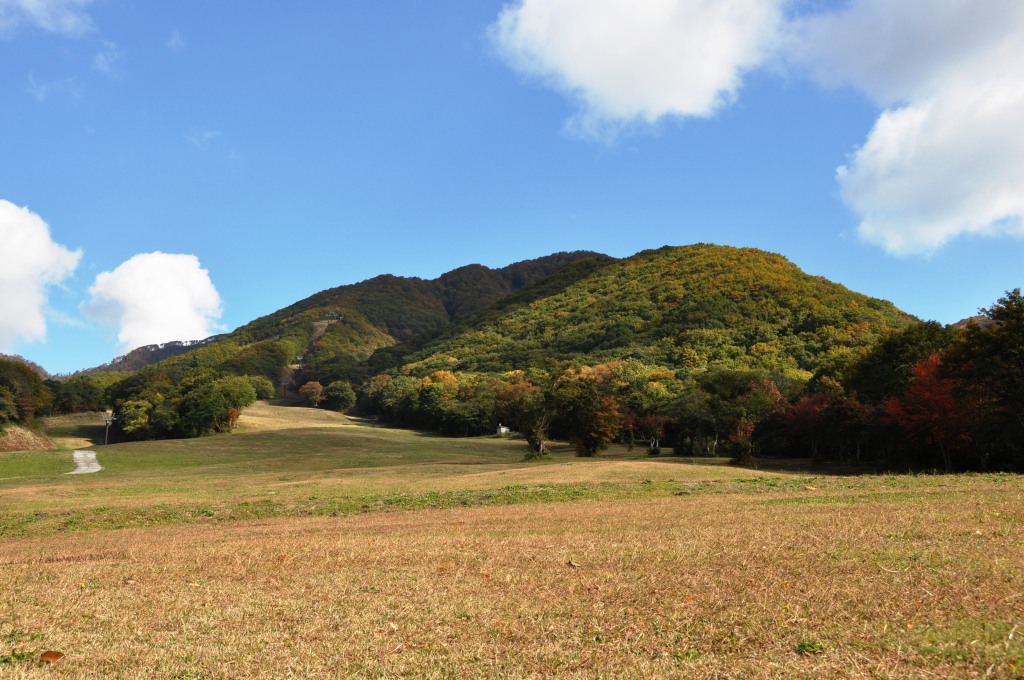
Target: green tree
x,y
133,419
524,407
30,393
238,392
340,395
262,385
990,359
589,418
887,368
203,411
8,407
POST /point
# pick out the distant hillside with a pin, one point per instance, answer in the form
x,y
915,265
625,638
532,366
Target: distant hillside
x,y
677,306
980,321
348,323
149,354
404,306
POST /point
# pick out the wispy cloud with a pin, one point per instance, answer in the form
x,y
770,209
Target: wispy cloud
x,y
30,262
65,17
109,59
176,41
156,297
202,140
41,91
63,319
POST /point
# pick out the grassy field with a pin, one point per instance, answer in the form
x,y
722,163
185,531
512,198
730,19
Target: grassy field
x,y
310,545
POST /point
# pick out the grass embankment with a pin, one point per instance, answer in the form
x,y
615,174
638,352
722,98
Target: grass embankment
x,y
719,572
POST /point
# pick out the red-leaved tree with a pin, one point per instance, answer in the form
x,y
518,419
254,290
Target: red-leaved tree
x,y
931,412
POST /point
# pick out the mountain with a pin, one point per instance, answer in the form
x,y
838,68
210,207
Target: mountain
x,y
689,306
683,308
980,321
348,323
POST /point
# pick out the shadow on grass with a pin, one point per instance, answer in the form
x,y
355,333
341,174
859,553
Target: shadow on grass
x,y
89,432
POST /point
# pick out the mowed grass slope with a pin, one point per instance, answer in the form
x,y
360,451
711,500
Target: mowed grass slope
x,y
299,461
656,569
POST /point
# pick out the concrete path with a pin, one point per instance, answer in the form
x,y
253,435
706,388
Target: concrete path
x,y
85,462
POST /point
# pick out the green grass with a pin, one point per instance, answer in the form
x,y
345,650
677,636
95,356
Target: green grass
x,y
338,469
28,467
343,468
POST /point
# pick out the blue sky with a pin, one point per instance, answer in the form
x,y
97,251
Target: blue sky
x,y
186,167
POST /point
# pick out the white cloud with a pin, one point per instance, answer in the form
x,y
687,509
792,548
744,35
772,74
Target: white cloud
x,y
156,297
30,261
943,159
65,17
895,51
941,167
109,59
628,62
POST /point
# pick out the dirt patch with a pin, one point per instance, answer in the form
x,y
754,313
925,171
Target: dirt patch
x,y
17,438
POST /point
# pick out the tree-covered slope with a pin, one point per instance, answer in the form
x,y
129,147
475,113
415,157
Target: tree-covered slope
x,y
350,322
140,357
684,307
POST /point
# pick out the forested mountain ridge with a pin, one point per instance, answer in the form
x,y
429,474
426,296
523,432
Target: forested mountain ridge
x,y
686,307
345,325
140,357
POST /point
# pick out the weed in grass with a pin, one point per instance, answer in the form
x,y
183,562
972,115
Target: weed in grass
x,y
19,636
16,657
810,647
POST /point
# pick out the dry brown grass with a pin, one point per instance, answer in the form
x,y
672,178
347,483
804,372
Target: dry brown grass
x,y
263,416
15,438
924,578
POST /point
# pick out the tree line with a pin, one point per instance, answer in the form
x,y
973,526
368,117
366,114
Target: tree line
x,y
922,397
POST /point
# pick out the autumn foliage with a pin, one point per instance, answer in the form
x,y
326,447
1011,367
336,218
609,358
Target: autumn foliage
x,y
935,410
